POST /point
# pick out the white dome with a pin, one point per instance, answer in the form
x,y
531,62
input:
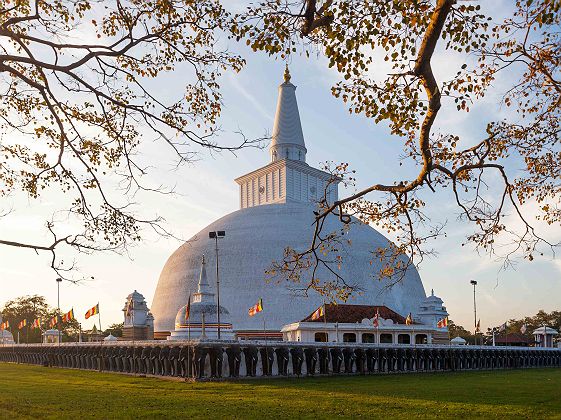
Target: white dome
x,y
196,314
257,236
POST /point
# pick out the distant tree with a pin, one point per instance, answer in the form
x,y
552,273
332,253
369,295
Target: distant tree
x,y
115,330
475,173
459,331
552,319
31,308
531,323
79,95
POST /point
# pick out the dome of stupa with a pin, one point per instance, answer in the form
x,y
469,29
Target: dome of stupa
x,y
277,203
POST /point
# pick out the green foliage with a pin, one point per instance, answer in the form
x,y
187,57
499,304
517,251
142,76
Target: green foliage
x,y
30,308
36,392
115,329
551,319
459,331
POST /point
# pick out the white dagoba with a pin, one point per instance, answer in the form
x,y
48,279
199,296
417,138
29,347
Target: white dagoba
x,y
202,322
276,204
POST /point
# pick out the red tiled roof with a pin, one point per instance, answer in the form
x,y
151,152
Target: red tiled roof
x,y
513,338
355,313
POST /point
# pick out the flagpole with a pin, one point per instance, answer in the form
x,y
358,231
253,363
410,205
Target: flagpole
x,y
266,349
203,335
99,318
377,318
189,348
189,369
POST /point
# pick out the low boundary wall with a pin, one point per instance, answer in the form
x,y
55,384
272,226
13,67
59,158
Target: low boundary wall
x,y
204,360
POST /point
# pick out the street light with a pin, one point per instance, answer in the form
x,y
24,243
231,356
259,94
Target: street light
x,y
219,234
58,281
474,283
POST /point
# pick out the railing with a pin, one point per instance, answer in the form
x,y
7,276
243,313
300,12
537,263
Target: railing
x,y
234,359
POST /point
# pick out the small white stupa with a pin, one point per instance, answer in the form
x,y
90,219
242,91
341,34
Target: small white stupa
x,y
458,341
202,322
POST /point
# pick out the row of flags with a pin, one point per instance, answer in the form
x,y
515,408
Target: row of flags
x,y
67,317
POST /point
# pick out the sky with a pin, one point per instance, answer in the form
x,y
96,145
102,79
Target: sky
x,y
205,191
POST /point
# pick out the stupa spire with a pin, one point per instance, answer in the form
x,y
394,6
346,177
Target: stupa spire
x,y
204,293
288,138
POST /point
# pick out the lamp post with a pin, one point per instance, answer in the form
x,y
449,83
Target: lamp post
x,y
474,283
58,281
217,235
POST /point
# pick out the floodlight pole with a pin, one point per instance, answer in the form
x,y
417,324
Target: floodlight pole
x,y
215,235
474,283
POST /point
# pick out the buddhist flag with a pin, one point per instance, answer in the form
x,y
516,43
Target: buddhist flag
x,y
502,327
376,321
188,309
478,326
5,325
68,316
258,307
409,319
53,321
443,323
318,313
23,323
36,323
523,329
92,311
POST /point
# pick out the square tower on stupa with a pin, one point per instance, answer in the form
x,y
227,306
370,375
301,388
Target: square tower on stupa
x,y
287,178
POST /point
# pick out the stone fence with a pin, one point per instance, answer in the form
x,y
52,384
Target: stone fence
x,y
203,360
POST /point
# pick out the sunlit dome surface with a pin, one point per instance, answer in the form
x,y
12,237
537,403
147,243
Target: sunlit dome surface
x,y
254,238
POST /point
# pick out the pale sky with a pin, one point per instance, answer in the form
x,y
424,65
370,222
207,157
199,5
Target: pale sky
x,y
206,191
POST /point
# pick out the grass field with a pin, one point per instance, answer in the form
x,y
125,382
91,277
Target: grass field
x,y
37,392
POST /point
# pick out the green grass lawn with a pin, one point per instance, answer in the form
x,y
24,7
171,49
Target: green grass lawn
x,y
32,392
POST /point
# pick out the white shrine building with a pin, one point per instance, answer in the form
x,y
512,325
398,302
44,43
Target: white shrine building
x,y
138,320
